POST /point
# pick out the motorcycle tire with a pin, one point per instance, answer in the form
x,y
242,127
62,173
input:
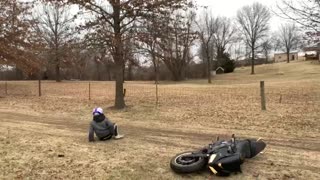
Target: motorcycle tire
x,y
179,164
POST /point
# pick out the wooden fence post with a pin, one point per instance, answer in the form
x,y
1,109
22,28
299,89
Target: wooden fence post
x,y
263,97
157,81
280,100
39,82
39,87
157,94
6,80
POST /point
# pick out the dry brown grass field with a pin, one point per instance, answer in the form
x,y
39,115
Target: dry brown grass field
x,y
46,137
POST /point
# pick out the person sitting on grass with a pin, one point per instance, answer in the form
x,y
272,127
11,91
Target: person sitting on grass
x,y
102,127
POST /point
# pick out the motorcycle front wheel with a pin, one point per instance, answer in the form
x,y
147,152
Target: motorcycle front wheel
x,y
181,163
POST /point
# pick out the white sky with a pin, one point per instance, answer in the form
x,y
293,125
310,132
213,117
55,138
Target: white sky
x,y
229,8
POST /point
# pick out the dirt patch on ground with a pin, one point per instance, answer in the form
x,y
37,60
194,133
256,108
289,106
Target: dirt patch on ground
x,y
32,147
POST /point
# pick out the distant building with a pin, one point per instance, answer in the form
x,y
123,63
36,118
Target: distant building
x,y
312,52
282,57
312,45
219,70
6,68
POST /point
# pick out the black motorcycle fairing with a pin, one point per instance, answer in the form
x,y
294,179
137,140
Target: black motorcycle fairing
x,y
227,164
227,159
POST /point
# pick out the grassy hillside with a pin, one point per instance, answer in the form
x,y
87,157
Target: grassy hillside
x,y
296,70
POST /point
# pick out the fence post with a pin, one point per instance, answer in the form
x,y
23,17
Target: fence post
x,y
280,100
263,98
157,94
39,87
89,90
157,81
39,82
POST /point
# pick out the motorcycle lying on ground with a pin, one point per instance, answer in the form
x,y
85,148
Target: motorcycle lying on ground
x,y
221,157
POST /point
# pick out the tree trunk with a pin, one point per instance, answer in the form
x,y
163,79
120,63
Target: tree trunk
x,y
156,71
252,61
204,71
183,72
187,72
109,75
118,57
19,75
267,58
175,76
108,72
80,75
98,72
123,71
178,74
288,56
130,75
58,78
119,101
220,53
155,67
209,71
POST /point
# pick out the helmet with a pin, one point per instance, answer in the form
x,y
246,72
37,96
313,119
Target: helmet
x,y
97,111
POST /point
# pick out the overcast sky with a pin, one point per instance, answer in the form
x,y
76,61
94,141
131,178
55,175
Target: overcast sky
x,y
229,8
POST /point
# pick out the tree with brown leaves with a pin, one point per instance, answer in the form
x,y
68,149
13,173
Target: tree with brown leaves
x,y
19,46
114,19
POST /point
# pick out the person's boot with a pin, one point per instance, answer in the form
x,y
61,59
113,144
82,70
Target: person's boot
x,y
117,135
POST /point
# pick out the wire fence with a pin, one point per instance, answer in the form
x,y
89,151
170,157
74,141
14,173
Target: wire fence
x,y
183,94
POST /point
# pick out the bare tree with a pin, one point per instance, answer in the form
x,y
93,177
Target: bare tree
x,y
176,41
206,31
149,37
254,22
80,57
55,27
224,37
306,13
203,53
109,65
97,41
237,48
275,41
129,55
266,47
102,57
115,19
289,38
